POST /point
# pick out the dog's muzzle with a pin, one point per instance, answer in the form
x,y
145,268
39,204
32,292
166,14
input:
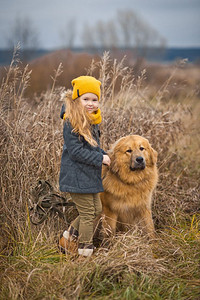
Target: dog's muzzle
x,y
138,164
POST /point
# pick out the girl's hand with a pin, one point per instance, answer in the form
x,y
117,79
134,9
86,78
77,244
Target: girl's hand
x,y
106,160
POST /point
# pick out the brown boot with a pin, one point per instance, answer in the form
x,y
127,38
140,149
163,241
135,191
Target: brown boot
x,y
67,246
69,241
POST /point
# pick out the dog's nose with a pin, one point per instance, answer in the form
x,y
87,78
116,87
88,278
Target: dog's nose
x,y
140,159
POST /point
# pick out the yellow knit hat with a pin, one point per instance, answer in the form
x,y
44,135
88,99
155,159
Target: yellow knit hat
x,y
85,84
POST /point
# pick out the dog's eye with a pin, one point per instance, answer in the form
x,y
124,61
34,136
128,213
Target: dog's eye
x,y
141,148
129,150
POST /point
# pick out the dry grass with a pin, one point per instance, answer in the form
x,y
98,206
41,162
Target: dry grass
x,y
132,267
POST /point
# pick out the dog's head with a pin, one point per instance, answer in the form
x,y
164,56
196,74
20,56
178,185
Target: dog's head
x,y
131,157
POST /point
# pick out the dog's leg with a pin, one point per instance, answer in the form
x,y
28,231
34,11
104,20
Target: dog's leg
x,y
148,223
109,222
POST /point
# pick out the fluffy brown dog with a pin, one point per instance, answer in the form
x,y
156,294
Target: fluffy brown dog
x,y
129,183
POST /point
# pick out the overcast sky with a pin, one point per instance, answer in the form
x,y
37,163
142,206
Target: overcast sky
x,y
178,21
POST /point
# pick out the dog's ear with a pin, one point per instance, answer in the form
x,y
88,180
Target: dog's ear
x,y
113,165
153,155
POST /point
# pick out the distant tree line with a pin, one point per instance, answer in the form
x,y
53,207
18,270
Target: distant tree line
x,y
127,30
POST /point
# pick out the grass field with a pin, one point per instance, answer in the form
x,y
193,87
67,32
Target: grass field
x,y
132,267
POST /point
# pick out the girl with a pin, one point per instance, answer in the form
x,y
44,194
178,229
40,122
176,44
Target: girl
x,y
82,160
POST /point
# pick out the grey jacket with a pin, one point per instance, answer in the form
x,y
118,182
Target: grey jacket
x,y
81,164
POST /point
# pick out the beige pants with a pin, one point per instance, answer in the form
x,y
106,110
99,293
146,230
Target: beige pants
x,y
89,207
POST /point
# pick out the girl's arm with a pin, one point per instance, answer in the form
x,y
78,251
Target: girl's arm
x,y
98,137
103,152
76,148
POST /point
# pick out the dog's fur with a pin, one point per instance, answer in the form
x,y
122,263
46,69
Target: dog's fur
x,y
128,183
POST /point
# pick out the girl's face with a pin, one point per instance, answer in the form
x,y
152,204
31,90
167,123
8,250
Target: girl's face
x,y
90,102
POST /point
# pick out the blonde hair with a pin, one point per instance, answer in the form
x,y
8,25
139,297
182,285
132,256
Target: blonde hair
x,y
78,117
